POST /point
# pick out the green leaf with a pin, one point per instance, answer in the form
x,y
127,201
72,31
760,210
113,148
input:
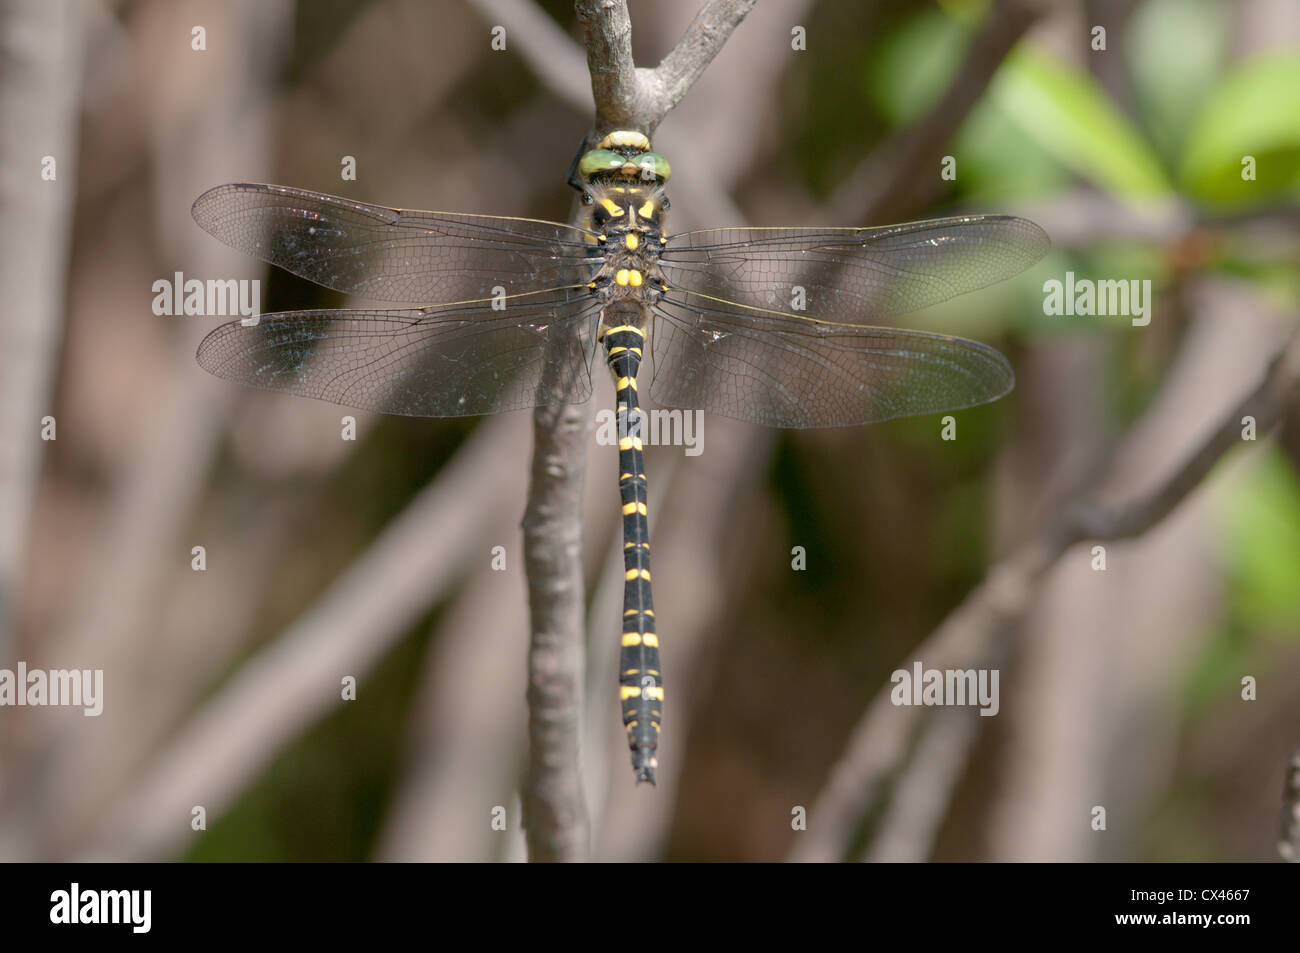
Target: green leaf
x,y
914,66
1262,526
1175,51
998,161
1254,112
1069,116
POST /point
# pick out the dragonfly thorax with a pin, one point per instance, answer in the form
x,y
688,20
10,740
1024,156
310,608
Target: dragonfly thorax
x,y
620,207
627,220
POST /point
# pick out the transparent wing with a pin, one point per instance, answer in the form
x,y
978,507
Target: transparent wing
x,y
394,254
434,362
782,372
852,275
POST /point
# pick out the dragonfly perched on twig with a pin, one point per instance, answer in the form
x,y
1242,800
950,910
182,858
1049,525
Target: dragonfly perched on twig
x,y
508,313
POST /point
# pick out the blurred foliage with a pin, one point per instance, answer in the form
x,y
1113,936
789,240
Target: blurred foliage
x,y
1254,111
1261,527
831,118
1176,50
1068,114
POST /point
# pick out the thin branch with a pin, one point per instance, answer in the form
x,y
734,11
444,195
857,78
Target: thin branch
x,y
555,813
631,98
698,46
1289,846
975,629
1271,400
621,101
922,794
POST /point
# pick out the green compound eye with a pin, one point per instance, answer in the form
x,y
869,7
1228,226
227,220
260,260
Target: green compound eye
x,y
652,164
599,160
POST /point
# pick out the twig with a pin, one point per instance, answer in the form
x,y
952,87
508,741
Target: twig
x,y
631,98
701,42
921,796
975,628
1289,846
555,813
620,100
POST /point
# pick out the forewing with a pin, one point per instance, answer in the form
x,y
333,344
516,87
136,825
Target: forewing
x,y
436,362
781,372
853,275
398,255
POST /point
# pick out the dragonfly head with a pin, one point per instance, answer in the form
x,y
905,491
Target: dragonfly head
x,y
624,154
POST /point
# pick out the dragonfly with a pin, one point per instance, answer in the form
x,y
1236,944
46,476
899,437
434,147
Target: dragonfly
x,y
772,326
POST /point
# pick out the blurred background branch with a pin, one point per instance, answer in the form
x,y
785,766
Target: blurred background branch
x,y
973,635
40,76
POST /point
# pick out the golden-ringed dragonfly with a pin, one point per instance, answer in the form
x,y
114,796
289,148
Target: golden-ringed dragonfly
x,y
508,313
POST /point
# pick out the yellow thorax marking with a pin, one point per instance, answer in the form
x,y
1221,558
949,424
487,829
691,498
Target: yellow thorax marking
x,y
647,210
632,241
612,207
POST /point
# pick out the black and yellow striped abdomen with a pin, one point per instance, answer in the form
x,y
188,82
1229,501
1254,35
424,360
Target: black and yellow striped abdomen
x,y
641,690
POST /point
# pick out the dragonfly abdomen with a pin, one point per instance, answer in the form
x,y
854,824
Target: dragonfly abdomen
x,y
640,680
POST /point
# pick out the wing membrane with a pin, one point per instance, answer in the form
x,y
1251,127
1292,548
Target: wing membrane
x,y
780,372
390,254
434,362
853,275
